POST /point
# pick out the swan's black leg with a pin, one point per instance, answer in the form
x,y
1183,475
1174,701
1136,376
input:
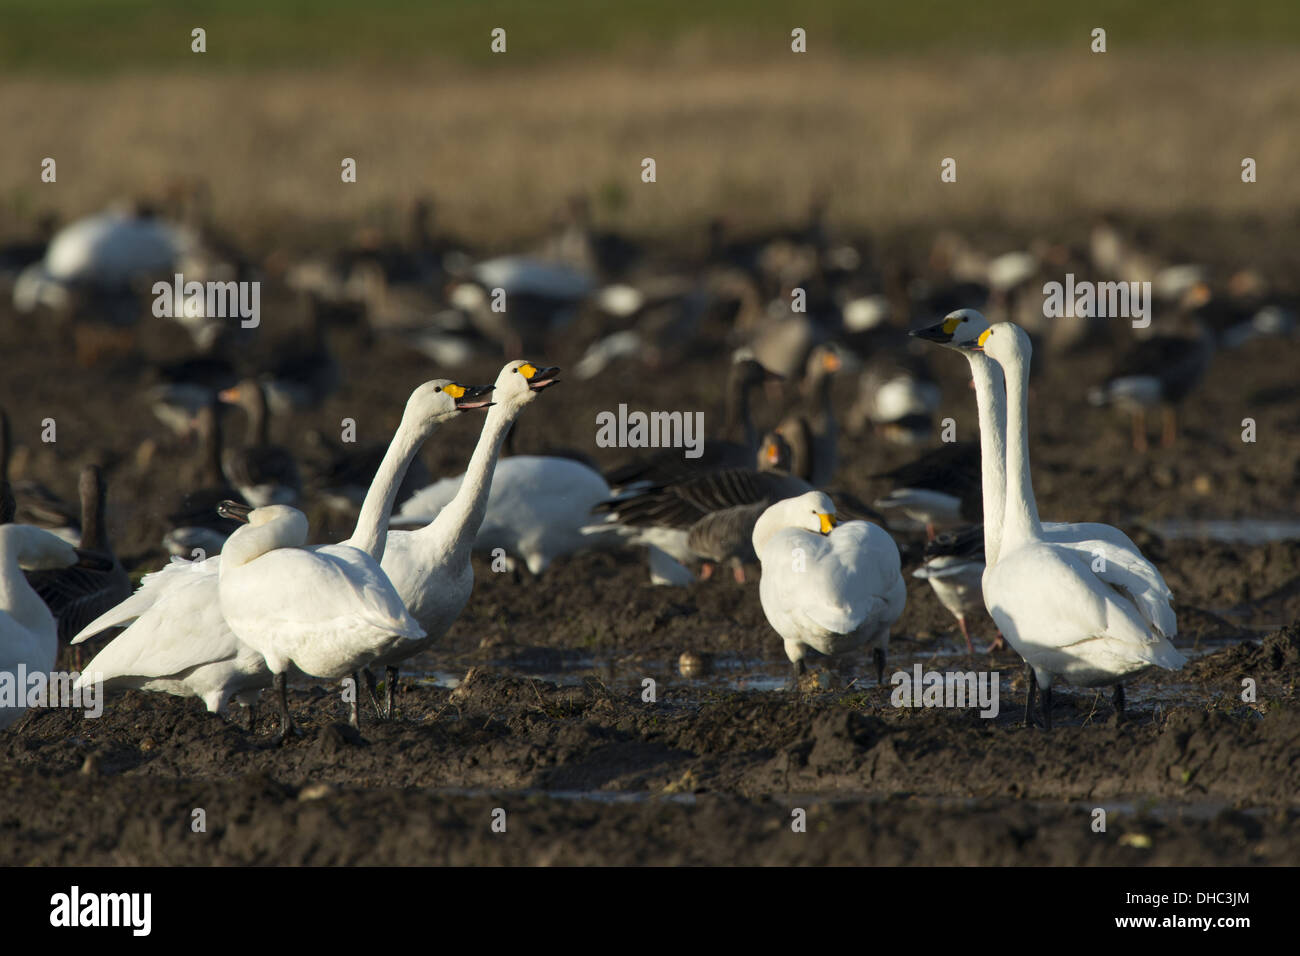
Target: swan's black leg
x,y
372,688
286,721
797,670
354,710
878,656
1047,708
390,691
1031,682
1118,700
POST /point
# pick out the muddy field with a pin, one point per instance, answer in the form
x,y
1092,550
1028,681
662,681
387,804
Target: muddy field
x,y
534,705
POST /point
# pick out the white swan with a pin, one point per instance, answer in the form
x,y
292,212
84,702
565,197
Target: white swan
x,y
1064,619
28,632
328,611
430,567
1118,560
829,588
178,641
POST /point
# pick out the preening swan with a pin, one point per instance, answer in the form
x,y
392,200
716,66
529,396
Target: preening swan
x,y
328,611
1118,560
28,633
180,642
826,587
1064,619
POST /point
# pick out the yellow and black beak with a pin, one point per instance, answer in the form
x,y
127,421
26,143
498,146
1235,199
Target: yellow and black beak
x,y
234,510
828,522
978,344
469,396
940,333
539,378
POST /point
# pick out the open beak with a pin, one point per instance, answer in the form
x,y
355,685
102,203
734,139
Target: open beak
x,y
543,377
234,511
93,560
472,396
828,522
978,344
933,333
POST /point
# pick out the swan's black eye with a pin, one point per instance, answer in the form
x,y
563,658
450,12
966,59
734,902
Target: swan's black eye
x,y
437,388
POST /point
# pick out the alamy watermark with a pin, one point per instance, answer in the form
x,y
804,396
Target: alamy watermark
x,y
179,299
638,429
21,688
1101,300
956,689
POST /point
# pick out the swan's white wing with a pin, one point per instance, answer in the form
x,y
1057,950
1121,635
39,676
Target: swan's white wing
x,y
153,588
183,629
1117,561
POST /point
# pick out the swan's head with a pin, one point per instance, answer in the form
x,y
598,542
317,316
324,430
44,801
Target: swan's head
x,y
813,512
441,400
35,549
268,528
957,329
1006,343
519,382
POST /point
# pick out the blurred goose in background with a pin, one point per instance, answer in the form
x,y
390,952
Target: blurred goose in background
x,y
897,399
812,429
940,489
263,472
29,502
77,595
103,258
304,372
187,386
540,298
28,633
1063,616
736,447
713,514
954,566
1159,372
828,588
196,530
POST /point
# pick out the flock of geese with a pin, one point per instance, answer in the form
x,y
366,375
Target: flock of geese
x,y
1077,601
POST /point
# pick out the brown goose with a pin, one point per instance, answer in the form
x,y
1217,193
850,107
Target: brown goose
x,y
812,431
77,595
197,530
265,474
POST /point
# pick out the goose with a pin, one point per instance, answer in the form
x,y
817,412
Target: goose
x,y
827,587
940,489
430,567
716,511
1160,371
77,595
1120,564
197,530
327,611
954,566
30,502
745,375
897,398
28,632
814,427
540,298
179,642
264,473
1064,619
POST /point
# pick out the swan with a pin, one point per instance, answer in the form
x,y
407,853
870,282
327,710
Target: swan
x,y
28,632
179,642
430,567
826,587
1118,559
1065,620
328,611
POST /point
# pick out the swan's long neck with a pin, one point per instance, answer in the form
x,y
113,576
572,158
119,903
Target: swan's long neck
x,y
251,542
371,532
1020,521
990,398
17,598
456,526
